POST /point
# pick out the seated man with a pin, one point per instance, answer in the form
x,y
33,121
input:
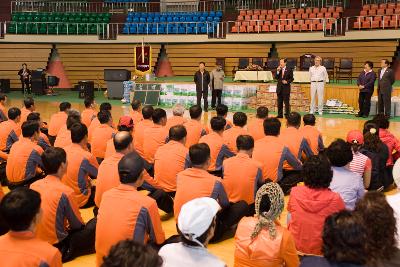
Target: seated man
x,y
256,126
297,144
95,122
29,106
43,140
219,151
196,226
89,113
81,165
272,154
130,253
242,175
125,124
138,138
177,116
311,134
63,138
196,182
58,207
136,113
57,120
20,210
8,129
230,136
155,135
108,177
222,111
24,159
125,213
195,130
101,135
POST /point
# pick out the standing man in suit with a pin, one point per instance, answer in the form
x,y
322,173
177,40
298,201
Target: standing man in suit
x,y
365,82
25,77
284,76
385,83
202,80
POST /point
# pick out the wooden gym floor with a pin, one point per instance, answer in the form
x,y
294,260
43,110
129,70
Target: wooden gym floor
x,y
330,127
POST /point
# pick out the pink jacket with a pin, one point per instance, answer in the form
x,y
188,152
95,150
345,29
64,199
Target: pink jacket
x,y
392,143
308,209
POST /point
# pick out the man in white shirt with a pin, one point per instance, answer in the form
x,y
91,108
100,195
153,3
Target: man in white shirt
x,y
318,77
196,226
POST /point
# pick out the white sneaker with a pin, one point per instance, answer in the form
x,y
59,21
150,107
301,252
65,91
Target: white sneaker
x,y
124,101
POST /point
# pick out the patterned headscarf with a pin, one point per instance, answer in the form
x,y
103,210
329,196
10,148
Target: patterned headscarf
x,y
266,220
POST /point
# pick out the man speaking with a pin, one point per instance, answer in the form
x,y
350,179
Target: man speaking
x,y
202,80
385,88
284,76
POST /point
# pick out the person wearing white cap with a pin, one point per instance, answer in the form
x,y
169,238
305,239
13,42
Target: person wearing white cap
x,y
196,226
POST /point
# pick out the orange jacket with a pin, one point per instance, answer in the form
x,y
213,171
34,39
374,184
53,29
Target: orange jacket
x,y
57,120
263,251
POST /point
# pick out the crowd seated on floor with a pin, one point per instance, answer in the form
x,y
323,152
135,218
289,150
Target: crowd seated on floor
x,y
218,181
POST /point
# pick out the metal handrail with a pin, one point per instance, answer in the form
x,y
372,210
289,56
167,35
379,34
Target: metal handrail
x,y
278,4
368,2
98,7
371,18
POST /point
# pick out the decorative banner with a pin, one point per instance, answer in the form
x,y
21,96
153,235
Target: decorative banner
x,y
143,59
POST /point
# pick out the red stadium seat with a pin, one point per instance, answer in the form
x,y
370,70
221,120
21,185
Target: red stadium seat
x,y
270,12
288,28
285,11
242,29
363,12
272,28
304,16
376,18
320,27
275,17
253,23
301,11
398,5
375,24
275,22
315,10
293,11
336,15
283,22
308,10
312,16
384,24
258,28
250,29
339,9
240,18
392,5
308,21
254,17
242,13
366,24
357,25
328,15
366,7
290,16
296,27
394,24
304,27
374,6
261,17
316,21
300,22
281,27
269,17
265,28
382,6
267,23
397,11
234,29
264,12
372,12
245,23
320,15
298,16
389,11
329,26
283,16
387,18
278,12
331,9
323,10
249,12
380,12
247,17
256,12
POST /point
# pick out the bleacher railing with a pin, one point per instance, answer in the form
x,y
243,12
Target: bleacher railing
x,y
383,22
368,2
277,4
99,7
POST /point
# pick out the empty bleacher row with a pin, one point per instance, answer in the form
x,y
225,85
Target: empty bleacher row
x,y
88,61
378,16
172,22
58,23
308,19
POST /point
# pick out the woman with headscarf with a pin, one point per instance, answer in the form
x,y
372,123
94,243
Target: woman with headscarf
x,y
261,241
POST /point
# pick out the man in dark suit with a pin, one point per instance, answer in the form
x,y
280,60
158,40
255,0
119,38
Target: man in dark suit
x,y
365,82
202,80
385,83
284,76
25,77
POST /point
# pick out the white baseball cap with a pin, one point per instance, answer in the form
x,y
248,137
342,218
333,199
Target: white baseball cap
x,y
196,217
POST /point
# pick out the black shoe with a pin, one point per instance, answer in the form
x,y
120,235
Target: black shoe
x,y
279,117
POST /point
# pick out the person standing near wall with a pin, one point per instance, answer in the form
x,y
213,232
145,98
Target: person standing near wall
x,y
318,76
202,80
217,85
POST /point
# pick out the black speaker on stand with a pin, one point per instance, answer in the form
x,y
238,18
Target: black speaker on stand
x,y
38,82
5,85
86,89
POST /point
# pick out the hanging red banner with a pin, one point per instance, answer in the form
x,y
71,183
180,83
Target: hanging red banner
x,y
143,59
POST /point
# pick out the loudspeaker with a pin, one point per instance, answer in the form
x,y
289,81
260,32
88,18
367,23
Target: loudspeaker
x,y
37,74
37,87
52,81
86,89
116,75
5,85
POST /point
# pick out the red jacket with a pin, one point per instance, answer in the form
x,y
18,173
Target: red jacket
x,y
308,209
392,143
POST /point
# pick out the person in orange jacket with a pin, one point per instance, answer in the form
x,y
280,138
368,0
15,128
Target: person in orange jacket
x,y
261,240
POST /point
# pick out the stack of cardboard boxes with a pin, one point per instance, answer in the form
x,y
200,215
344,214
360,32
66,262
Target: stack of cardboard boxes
x,y
266,97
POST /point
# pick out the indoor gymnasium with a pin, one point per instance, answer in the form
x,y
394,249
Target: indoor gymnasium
x,y
165,133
